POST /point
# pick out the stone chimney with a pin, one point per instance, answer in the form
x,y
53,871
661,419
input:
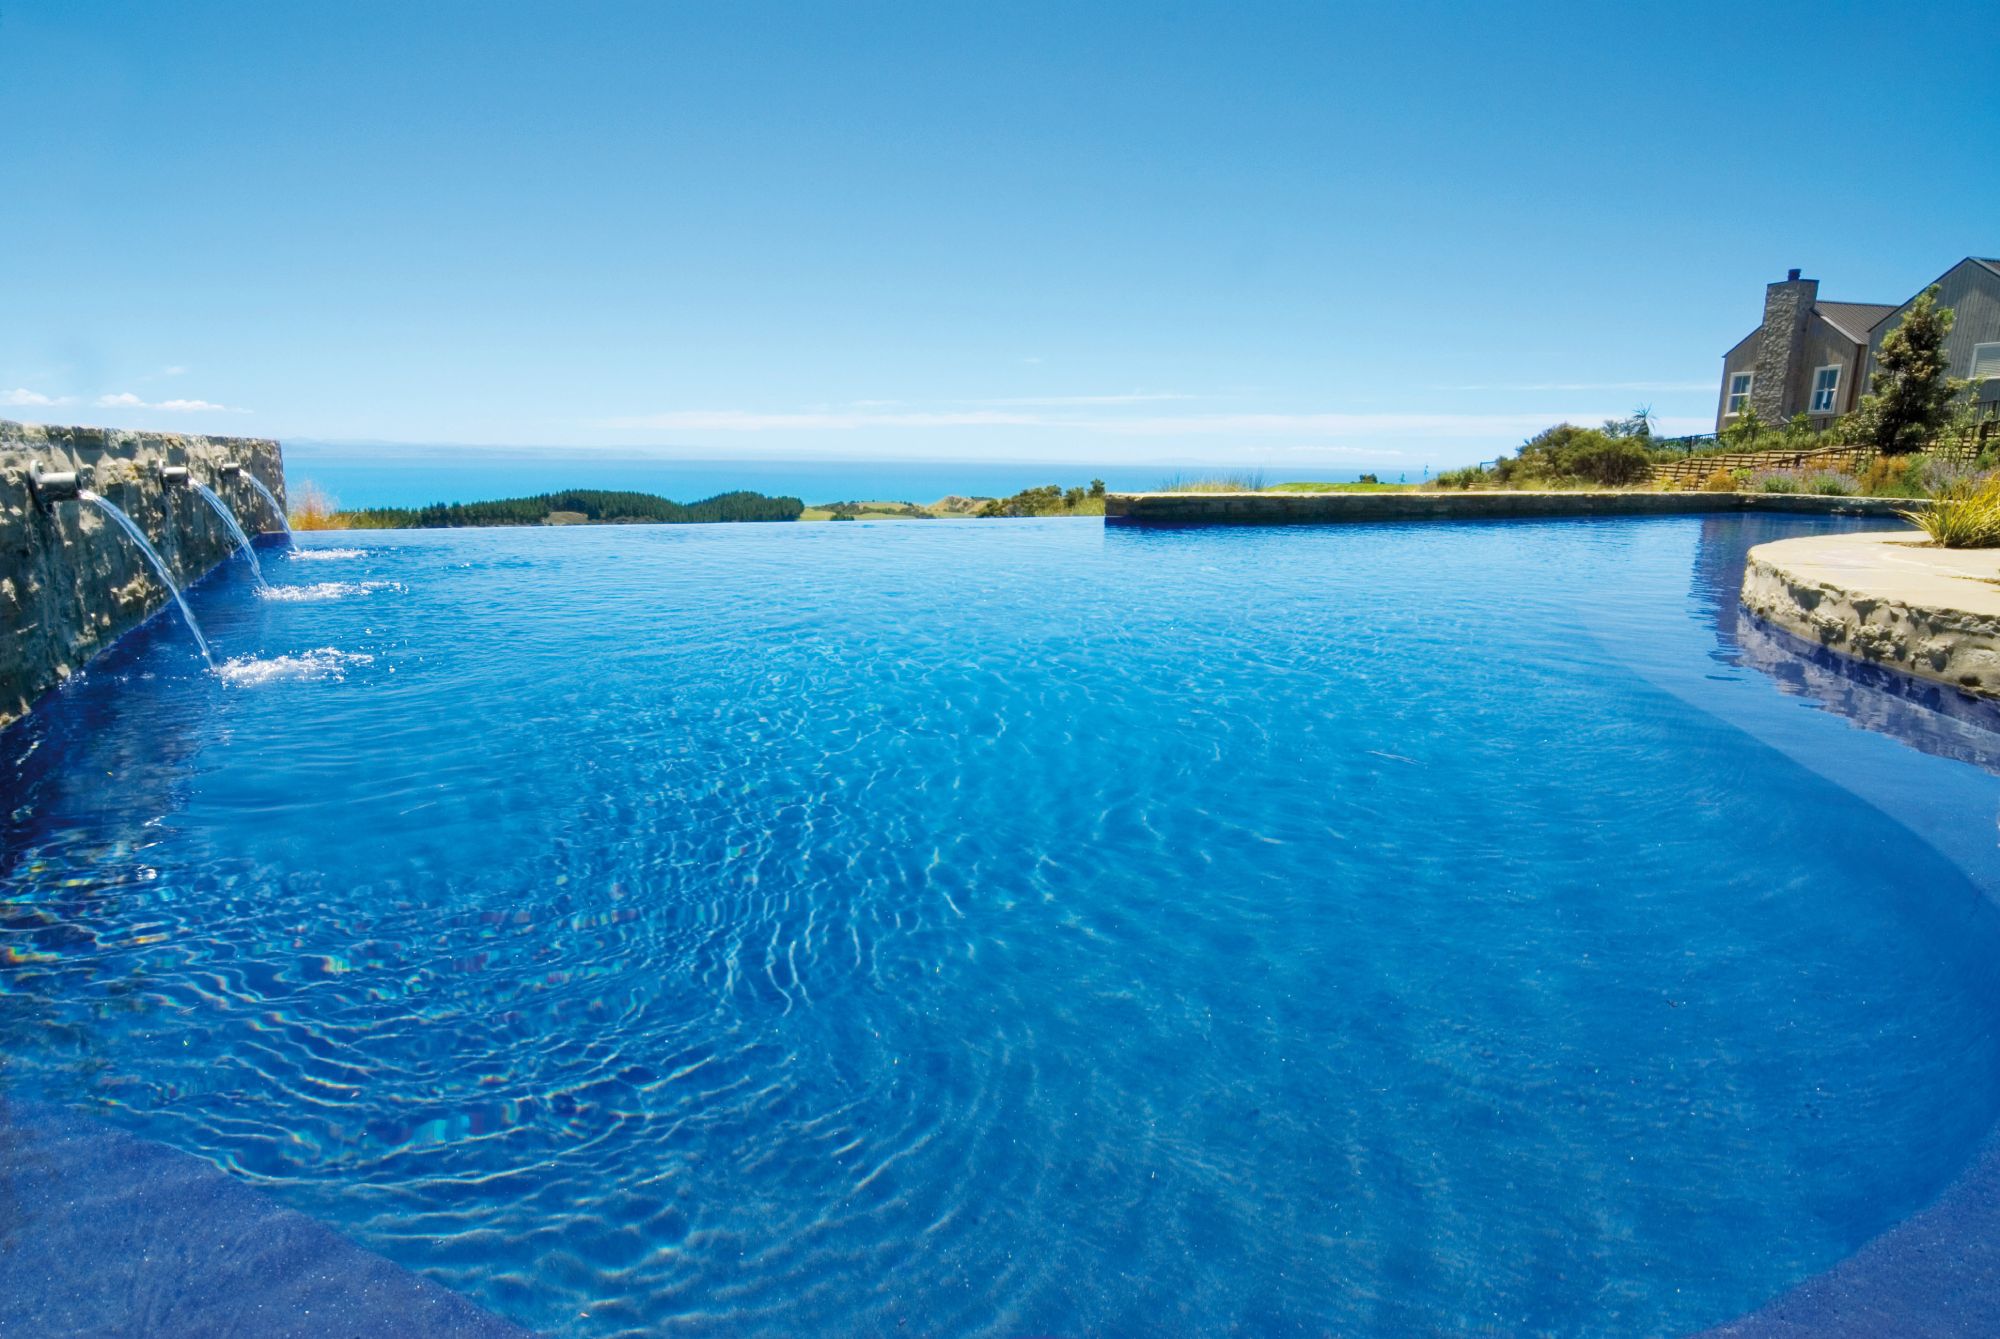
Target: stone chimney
x,y
1780,365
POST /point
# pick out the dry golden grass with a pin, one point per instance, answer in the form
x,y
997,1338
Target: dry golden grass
x,y
313,508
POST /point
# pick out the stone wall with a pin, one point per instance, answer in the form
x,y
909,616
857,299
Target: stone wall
x,y
70,582
1887,597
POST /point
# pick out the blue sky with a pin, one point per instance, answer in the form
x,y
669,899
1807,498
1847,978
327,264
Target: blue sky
x,y
1268,233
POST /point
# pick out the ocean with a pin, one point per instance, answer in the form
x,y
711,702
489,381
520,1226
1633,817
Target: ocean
x,y
411,476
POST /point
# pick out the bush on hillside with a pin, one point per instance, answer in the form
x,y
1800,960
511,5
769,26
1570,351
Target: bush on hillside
x,y
1472,476
592,504
1048,500
1569,454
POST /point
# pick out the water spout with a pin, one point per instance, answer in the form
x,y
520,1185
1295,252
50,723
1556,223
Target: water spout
x,y
228,519
138,536
48,488
265,493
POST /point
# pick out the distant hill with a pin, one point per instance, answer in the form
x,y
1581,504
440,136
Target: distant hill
x,y
582,506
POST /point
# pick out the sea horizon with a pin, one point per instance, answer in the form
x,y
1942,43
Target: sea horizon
x,y
358,475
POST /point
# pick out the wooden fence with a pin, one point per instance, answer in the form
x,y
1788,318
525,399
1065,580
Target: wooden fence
x,y
1694,471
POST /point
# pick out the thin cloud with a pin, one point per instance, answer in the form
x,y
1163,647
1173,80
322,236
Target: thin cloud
x,y
1313,425
1557,386
23,398
1130,397
127,400
739,420
1336,425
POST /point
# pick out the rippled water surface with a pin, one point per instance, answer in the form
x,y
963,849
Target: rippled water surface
x,y
1019,927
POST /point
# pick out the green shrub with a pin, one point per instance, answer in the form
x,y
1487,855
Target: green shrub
x,y
1775,481
1742,432
1048,500
1964,514
1569,454
1933,475
1892,476
1832,483
1612,461
1472,476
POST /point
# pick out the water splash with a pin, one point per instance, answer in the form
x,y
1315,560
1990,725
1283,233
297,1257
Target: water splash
x,y
327,590
138,536
326,555
228,519
325,663
270,500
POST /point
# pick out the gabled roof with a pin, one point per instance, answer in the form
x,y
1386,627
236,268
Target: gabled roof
x,y
1981,261
1854,319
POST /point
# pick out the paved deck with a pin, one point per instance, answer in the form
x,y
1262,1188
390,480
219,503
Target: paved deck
x,y
1888,597
1414,505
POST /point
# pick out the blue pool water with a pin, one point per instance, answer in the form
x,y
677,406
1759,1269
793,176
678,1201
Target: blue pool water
x,y
1021,927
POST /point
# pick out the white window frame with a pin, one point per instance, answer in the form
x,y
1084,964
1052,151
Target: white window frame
x,y
1733,400
1972,366
1832,391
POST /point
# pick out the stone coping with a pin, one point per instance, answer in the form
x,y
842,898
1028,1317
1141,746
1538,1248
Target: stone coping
x,y
105,1233
1935,1275
1891,598
1316,508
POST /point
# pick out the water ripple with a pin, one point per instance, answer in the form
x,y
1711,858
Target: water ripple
x,y
1010,929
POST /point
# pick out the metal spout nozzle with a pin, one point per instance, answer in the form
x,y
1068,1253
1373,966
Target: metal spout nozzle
x,y
50,487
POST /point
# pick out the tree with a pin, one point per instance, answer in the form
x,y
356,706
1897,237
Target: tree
x,y
1910,400
1639,425
1742,434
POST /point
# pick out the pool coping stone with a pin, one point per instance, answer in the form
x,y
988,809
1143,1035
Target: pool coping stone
x,y
1888,597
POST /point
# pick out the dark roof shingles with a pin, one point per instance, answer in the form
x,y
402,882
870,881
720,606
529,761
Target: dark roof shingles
x,y
1854,319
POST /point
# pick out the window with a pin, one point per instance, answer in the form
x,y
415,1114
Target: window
x,y
1739,393
1826,382
1985,361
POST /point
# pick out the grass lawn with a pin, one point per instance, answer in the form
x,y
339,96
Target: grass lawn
x,y
870,511
1308,487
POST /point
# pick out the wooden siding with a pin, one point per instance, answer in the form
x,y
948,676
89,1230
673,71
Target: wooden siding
x,y
1973,293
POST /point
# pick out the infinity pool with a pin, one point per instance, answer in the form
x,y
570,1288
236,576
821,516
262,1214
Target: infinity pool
x,y
1016,927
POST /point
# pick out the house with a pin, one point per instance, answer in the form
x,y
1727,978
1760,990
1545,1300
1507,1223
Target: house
x,y
1812,357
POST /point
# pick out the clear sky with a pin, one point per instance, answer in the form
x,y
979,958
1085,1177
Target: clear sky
x,y
1290,233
